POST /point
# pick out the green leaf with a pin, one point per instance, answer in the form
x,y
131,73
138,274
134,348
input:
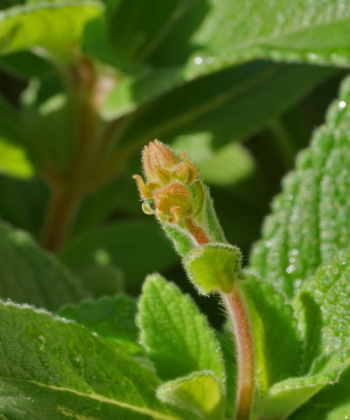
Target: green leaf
x,y
198,392
227,346
97,44
17,157
25,64
230,104
97,206
176,336
30,275
111,317
131,92
286,396
214,267
136,28
23,203
310,218
328,330
101,280
225,166
278,344
58,369
53,25
332,403
119,244
315,32
52,128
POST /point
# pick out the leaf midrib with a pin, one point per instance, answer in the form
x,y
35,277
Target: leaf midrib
x,y
202,109
99,398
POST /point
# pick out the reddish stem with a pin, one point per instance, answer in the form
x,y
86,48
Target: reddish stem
x,y
197,232
236,308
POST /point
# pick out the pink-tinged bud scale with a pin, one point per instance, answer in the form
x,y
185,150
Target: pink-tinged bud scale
x,y
168,184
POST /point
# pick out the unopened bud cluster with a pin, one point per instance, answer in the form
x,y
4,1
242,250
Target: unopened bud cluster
x,y
173,190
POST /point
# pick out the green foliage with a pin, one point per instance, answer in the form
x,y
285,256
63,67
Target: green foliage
x,y
52,25
284,397
111,317
198,392
86,84
30,275
51,367
279,348
117,244
286,30
17,157
309,223
332,403
177,338
326,330
232,103
214,267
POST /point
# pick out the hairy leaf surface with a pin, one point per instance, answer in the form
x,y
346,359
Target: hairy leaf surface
x,y
176,336
198,392
278,344
51,368
311,31
110,316
310,218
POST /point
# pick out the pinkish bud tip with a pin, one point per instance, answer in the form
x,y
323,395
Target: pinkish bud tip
x,y
168,179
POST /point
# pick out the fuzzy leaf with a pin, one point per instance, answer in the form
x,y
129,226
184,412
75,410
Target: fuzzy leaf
x,y
176,336
231,32
112,317
30,275
53,25
278,344
310,218
328,329
332,403
214,267
51,368
286,396
198,392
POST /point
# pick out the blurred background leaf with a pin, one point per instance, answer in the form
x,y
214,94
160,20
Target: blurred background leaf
x,y
188,72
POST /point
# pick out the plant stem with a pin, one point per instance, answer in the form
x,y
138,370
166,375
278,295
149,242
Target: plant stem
x,y
61,211
69,187
236,308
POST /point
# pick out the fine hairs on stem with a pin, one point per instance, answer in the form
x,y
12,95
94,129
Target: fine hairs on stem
x,y
175,194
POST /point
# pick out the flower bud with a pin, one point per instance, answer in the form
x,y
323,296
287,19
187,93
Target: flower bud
x,y
173,187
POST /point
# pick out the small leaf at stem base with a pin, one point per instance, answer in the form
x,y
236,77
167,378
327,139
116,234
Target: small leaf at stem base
x,y
214,267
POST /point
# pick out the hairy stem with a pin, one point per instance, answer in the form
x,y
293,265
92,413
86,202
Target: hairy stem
x,y
237,311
